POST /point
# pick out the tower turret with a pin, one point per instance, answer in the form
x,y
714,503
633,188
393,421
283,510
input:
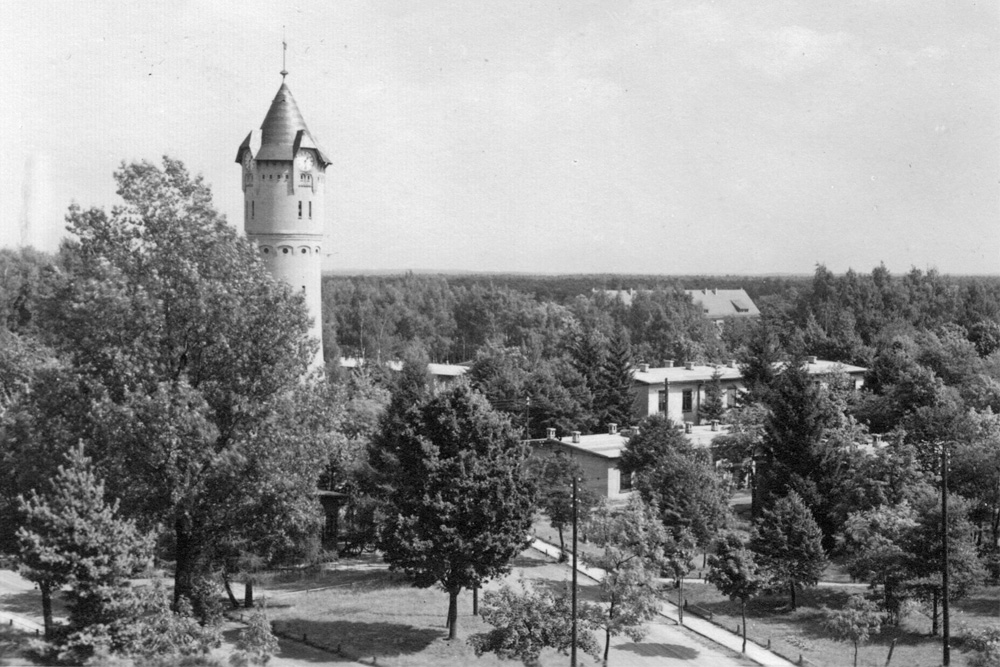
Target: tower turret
x,y
283,178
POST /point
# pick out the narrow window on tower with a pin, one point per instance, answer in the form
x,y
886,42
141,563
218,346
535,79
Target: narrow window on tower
x,y
252,208
310,210
300,210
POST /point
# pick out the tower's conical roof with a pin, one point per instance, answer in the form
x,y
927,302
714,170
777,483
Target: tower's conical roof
x,y
283,131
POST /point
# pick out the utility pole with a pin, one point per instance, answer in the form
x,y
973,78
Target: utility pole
x,y
572,650
946,649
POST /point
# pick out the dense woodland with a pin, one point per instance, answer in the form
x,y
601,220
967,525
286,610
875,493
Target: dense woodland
x,y
151,389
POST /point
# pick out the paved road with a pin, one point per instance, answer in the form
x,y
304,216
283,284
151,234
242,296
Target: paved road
x,y
720,638
665,641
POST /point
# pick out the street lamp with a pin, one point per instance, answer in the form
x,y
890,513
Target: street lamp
x,y
572,653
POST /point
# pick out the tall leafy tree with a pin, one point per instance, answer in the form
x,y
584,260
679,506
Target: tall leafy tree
x,y
181,346
789,545
734,570
677,479
459,501
631,543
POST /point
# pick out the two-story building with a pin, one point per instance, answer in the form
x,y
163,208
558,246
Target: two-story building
x,y
679,391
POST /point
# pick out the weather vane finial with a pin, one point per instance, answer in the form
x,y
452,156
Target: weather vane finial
x,y
284,49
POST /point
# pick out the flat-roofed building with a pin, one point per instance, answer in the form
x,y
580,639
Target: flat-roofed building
x,y
597,454
679,391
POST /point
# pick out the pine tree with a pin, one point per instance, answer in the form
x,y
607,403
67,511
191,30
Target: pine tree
x,y
789,545
714,405
613,401
72,536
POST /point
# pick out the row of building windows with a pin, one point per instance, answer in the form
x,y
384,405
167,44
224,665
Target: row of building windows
x,y
687,399
253,209
287,250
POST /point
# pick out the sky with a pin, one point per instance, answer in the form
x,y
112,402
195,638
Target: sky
x,y
652,137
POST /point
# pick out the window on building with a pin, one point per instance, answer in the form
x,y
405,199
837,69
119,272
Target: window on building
x,y
252,209
310,210
661,401
686,404
300,210
731,397
624,482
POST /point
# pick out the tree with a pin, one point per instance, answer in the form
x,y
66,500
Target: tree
x,y
555,494
527,622
789,545
678,552
735,572
458,497
856,622
183,346
875,542
673,476
613,398
714,406
72,537
632,553
256,643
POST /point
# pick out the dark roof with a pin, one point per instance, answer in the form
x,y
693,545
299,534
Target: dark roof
x,y
283,132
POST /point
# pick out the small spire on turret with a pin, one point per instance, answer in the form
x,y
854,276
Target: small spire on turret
x,y
284,49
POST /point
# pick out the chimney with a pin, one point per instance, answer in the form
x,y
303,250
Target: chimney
x,y
715,424
688,426
612,428
689,365
812,360
643,368
576,437
731,363
877,440
669,363
550,433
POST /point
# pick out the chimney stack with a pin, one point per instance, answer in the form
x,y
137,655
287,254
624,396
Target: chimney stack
x,y
689,365
643,368
731,363
576,437
669,363
550,433
813,360
612,428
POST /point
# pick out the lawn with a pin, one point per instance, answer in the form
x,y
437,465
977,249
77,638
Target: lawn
x,y
800,632
372,613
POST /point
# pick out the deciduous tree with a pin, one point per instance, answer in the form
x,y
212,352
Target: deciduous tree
x,y
736,573
526,622
856,622
789,545
459,500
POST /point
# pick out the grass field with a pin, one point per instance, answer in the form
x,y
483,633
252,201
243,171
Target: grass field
x,y
373,613
800,632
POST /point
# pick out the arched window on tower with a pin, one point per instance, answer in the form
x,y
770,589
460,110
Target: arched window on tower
x,y
310,210
300,210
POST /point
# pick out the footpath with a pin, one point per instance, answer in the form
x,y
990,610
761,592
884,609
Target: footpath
x,y
710,631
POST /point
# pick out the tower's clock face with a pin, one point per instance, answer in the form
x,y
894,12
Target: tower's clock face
x,y
304,161
247,160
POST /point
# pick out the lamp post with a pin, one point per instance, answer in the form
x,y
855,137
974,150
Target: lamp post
x,y
945,648
572,650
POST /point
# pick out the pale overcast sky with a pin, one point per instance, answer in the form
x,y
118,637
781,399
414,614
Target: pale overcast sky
x,y
612,136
